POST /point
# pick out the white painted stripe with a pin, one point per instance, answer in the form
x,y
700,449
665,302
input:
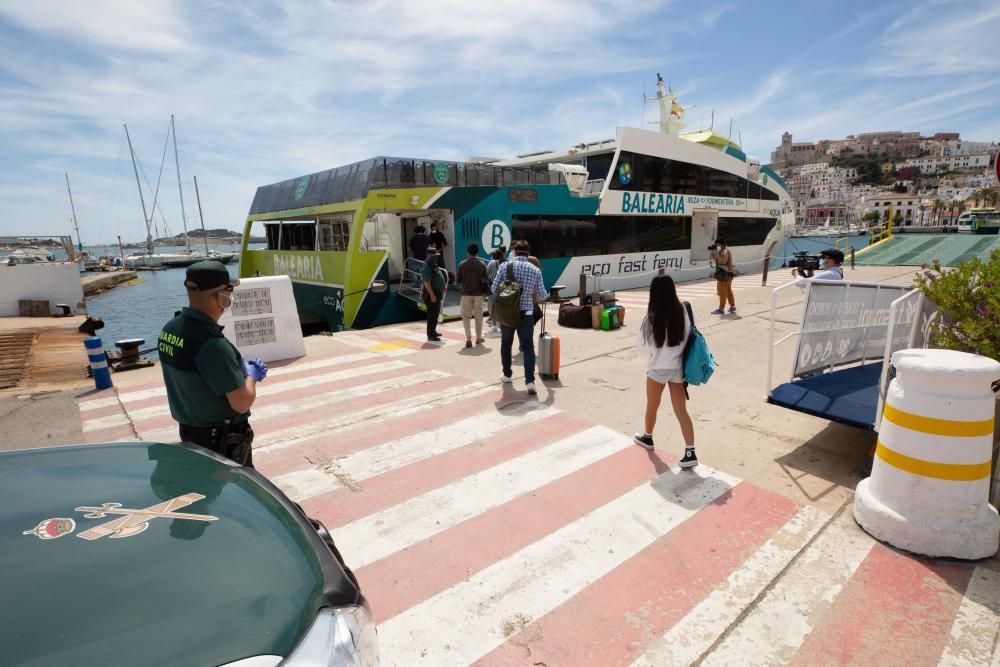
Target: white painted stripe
x,y
111,421
345,392
289,437
298,485
155,392
693,635
774,631
465,622
99,365
328,400
396,528
426,444
977,623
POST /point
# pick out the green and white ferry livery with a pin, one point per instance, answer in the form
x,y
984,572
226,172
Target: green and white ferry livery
x,y
623,208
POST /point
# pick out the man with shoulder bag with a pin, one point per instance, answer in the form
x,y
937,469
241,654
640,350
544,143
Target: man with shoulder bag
x,y
515,284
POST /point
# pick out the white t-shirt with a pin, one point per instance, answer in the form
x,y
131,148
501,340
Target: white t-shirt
x,y
836,273
667,357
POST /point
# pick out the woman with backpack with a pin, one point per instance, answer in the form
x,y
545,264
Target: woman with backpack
x,y
662,337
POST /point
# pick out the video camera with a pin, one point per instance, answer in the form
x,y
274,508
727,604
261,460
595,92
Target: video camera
x,y
805,262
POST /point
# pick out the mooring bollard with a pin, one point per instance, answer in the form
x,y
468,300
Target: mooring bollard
x,y
98,362
929,487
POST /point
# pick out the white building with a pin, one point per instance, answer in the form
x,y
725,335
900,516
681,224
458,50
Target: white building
x,y
905,207
960,147
930,166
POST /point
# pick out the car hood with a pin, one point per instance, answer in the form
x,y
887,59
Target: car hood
x,y
237,574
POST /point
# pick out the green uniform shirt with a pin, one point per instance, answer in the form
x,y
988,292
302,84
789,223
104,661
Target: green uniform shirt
x,y
199,368
432,275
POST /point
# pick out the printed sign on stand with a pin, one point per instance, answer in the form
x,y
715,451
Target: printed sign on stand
x,y
263,320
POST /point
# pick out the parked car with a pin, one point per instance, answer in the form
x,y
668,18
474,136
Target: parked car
x,y
154,554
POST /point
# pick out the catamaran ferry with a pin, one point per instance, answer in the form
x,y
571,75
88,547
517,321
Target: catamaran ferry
x,y
622,208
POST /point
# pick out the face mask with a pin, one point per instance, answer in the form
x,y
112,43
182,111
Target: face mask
x,y
718,248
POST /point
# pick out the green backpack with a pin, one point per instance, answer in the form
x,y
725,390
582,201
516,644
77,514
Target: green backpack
x,y
507,305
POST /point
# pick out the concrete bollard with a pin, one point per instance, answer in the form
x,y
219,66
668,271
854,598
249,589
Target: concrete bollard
x,y
98,362
928,491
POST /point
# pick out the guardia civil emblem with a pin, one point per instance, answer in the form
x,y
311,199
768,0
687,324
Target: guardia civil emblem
x,y
127,522
50,529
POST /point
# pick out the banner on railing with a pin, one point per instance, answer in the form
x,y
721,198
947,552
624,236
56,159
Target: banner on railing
x,y
845,323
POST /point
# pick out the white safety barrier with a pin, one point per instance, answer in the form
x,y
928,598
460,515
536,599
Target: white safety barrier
x,y
929,487
263,320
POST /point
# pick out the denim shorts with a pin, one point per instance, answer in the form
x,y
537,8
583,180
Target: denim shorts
x,y
665,375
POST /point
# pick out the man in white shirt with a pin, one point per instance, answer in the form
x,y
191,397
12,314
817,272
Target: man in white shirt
x,y
831,261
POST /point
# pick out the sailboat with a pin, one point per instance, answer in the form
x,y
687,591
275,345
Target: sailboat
x,y
191,255
147,259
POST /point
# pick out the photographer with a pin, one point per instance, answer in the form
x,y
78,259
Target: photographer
x,y
829,260
725,271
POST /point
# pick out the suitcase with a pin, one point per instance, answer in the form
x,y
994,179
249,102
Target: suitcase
x,y
621,315
609,319
548,353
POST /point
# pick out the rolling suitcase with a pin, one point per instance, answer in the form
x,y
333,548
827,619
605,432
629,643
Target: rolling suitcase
x,y
609,318
548,352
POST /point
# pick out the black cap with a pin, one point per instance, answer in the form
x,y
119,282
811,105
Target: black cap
x,y
208,274
835,255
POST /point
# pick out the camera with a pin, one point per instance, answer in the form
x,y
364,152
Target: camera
x,y
805,262
711,248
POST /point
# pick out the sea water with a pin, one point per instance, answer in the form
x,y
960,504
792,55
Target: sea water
x,y
140,309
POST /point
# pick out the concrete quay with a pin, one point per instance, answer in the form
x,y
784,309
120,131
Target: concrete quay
x,y
95,283
490,527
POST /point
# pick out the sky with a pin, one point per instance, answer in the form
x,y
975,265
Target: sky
x,y
267,91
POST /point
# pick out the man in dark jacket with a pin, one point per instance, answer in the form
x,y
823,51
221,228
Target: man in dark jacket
x,y
472,277
433,292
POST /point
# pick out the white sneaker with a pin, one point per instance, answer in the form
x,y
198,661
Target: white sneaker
x,y
531,388
505,379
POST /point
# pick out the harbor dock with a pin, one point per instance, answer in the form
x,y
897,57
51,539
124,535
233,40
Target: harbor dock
x,y
95,283
488,525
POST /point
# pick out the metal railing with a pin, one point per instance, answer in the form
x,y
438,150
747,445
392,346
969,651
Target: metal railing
x,y
411,281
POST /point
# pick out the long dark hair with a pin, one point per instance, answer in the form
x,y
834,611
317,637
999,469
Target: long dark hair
x,y
664,322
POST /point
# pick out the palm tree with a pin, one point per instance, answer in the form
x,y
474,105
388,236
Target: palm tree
x,y
991,194
938,207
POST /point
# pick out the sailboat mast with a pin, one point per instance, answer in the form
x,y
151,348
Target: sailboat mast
x,y
201,217
142,200
180,190
72,207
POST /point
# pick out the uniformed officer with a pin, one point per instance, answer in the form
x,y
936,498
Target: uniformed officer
x,y
210,387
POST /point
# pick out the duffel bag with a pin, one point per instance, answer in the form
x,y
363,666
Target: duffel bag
x,y
571,315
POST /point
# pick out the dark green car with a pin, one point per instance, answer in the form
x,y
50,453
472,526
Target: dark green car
x,y
152,554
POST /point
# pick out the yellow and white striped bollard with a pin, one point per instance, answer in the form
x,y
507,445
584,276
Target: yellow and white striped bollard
x,y
929,487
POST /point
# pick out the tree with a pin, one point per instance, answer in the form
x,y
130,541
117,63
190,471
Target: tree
x,y
938,207
870,218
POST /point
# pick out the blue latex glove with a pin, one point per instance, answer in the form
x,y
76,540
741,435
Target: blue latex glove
x,y
255,368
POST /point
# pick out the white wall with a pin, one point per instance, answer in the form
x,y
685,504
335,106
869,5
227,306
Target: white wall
x,y
56,282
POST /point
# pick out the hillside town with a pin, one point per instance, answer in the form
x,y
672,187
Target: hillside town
x,y
841,185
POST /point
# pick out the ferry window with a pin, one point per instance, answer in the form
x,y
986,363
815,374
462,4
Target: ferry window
x,y
334,234
598,167
655,174
558,236
291,235
745,231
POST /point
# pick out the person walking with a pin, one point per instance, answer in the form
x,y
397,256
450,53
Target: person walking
x,y
662,337
725,271
418,252
530,280
472,278
210,387
433,292
491,272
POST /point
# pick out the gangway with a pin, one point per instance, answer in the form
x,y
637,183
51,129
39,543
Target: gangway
x,y
848,331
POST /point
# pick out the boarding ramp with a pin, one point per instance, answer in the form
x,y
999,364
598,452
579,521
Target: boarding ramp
x,y
410,288
846,335
917,249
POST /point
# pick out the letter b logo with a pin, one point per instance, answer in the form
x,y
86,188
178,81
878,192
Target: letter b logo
x,y
496,233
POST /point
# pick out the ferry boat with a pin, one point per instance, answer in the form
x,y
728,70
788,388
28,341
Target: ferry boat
x,y
979,221
623,208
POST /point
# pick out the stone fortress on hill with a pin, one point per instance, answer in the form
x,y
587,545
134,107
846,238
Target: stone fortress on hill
x,y
922,180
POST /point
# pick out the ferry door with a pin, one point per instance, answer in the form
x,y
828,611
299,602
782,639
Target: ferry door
x,y
704,230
